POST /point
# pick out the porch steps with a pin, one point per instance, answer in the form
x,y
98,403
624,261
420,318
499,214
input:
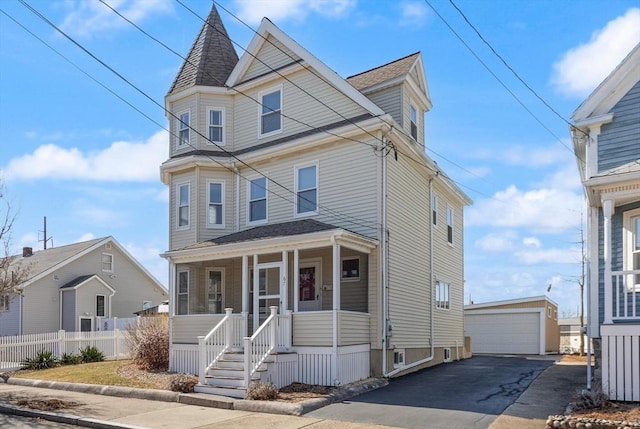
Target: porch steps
x,y
226,378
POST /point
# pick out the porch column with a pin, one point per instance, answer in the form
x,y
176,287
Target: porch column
x,y
284,289
336,307
296,279
172,288
607,211
245,285
256,294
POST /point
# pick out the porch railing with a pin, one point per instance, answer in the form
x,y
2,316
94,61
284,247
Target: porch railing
x,y
274,333
225,336
625,300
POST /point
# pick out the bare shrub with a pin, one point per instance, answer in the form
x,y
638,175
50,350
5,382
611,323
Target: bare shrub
x,y
262,391
183,383
590,399
148,341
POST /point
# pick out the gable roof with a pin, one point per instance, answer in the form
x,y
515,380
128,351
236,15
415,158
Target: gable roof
x,y
80,281
611,90
268,28
211,58
398,68
45,262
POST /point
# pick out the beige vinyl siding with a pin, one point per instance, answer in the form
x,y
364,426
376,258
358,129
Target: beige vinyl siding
x,y
220,102
301,111
182,237
313,328
408,222
552,333
177,107
353,328
271,55
347,187
205,176
389,100
375,304
409,99
448,268
186,329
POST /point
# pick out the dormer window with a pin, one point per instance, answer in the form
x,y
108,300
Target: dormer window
x,y
413,116
216,129
183,129
271,109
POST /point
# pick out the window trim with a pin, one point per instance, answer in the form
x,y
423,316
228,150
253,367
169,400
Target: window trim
x,y
261,96
209,126
297,168
447,288
180,128
412,109
400,353
222,203
349,279
5,300
249,200
104,305
178,206
112,263
222,287
434,210
446,354
187,293
627,243
450,225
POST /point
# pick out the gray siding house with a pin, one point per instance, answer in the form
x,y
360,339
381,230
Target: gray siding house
x,y
71,287
606,137
311,237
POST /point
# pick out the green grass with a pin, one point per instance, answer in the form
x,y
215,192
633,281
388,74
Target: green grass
x,y
103,373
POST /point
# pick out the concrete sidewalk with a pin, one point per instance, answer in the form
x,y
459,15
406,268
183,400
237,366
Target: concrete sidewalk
x,y
112,407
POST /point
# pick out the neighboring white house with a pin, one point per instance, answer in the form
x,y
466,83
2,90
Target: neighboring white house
x,y
71,287
297,191
606,138
514,326
570,333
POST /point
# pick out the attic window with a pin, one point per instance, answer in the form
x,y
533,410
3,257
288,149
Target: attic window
x,y
414,122
271,109
107,262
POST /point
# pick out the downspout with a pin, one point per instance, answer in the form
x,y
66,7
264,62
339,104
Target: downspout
x,y
383,263
431,289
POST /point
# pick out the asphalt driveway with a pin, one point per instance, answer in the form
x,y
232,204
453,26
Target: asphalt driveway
x,y
465,394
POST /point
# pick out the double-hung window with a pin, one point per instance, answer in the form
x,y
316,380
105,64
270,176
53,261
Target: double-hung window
x,y
413,116
215,215
258,199
101,305
450,225
271,110
632,249
183,293
434,210
183,129
107,262
307,190
216,128
183,206
443,296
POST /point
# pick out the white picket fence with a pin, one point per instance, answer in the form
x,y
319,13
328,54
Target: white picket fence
x,y
15,349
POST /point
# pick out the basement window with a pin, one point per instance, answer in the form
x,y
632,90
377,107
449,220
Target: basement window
x,y
398,358
446,354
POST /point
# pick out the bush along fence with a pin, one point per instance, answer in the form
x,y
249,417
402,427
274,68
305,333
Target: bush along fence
x,y
16,349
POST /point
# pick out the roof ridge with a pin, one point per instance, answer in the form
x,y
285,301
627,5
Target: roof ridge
x,y
383,65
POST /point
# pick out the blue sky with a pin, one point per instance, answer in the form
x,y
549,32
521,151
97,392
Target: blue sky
x,y
76,153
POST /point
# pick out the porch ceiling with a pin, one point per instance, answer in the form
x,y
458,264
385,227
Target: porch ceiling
x,y
275,238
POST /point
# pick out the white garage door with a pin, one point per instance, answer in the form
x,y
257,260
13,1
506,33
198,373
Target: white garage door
x,y
509,333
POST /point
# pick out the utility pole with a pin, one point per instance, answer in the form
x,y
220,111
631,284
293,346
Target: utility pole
x,y
45,238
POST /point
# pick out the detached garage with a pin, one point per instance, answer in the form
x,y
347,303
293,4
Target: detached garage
x,y
517,326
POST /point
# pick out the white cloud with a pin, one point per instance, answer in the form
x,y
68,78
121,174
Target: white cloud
x,y
121,162
531,242
252,11
85,237
545,210
582,68
499,241
413,13
89,17
97,216
549,256
536,157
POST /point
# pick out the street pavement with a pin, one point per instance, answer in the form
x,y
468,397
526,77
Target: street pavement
x,y
481,392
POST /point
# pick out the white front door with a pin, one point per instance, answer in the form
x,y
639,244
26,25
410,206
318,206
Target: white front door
x,y
310,289
267,291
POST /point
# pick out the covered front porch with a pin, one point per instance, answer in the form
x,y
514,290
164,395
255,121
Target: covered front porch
x,y
288,302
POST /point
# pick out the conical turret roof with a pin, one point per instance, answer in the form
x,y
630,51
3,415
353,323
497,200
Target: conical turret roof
x,y
211,58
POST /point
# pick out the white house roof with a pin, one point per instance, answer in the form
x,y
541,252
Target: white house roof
x,y
509,302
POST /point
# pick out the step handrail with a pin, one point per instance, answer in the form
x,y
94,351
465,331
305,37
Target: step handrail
x,y
259,346
212,346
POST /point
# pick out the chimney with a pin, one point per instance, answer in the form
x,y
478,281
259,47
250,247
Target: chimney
x,y
27,251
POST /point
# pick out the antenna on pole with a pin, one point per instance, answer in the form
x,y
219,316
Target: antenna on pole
x,y
45,238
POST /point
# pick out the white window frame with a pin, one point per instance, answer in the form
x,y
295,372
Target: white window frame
x,y
628,244
222,287
261,114
398,358
5,299
220,142
104,307
446,354
297,190
413,109
179,206
450,225
146,304
221,203
111,262
180,127
342,271
249,200
443,288
434,210
178,293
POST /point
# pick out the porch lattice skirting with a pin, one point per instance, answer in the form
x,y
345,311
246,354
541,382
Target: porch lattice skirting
x,y
621,362
310,365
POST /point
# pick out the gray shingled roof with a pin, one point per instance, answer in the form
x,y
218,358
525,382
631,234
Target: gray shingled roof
x,y
383,73
75,282
296,227
211,58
